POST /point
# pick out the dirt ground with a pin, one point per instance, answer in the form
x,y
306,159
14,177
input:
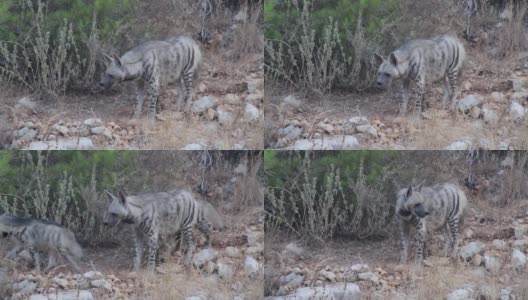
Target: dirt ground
x,y
436,280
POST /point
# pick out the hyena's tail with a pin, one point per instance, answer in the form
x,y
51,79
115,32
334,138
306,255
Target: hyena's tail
x,y
212,215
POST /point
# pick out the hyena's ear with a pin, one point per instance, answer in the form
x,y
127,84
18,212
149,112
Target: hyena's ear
x,y
117,60
418,188
122,197
379,58
393,59
409,192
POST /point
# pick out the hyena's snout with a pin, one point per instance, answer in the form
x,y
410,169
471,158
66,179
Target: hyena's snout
x,y
421,211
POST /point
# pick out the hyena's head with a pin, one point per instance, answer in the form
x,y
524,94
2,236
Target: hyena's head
x,y
413,202
388,70
115,72
117,211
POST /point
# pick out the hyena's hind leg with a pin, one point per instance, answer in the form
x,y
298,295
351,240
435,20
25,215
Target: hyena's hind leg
x,y
448,240
187,81
187,244
406,84
140,98
153,93
453,231
153,250
36,257
52,260
419,103
446,92
139,250
70,258
181,95
453,84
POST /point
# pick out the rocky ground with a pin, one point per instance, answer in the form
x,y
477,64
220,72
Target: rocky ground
x,y
492,109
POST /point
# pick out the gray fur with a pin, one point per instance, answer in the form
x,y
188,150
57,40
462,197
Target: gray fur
x,y
430,208
158,215
439,59
40,235
157,63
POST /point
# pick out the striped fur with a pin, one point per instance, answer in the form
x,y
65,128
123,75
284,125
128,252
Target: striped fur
x,y
157,63
430,208
158,215
440,58
40,235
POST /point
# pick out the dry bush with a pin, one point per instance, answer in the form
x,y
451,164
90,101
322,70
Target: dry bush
x,y
248,37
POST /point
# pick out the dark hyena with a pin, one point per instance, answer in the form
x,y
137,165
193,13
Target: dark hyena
x,y
430,208
157,215
440,58
157,63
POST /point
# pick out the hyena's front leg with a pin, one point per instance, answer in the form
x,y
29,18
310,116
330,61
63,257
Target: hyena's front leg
x,y
188,245
36,257
181,95
404,232
419,91
153,93
420,242
448,240
52,260
153,250
405,95
204,228
14,252
453,78
187,80
139,249
140,97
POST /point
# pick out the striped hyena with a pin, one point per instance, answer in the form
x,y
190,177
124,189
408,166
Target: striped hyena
x,y
440,58
40,235
157,63
158,215
441,205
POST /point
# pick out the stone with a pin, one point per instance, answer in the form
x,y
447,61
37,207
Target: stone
x,y
369,276
292,101
518,260
82,143
338,291
71,295
506,294
38,297
231,251
232,99
336,142
101,130
367,128
101,283
201,258
25,287
469,101
475,112
210,267
252,86
520,231
63,283
519,84
497,97
225,118
194,147
471,249
93,122
293,249
27,105
93,275
202,104
358,120
476,260
461,294
331,276
499,244
521,244
251,113
63,130
517,112
462,144
490,116
360,268
291,132
225,271
251,267
492,264
292,280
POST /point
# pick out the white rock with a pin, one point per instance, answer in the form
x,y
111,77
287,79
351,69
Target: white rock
x,y
519,84
517,112
232,99
202,257
369,276
521,245
63,283
225,118
72,295
520,231
101,283
469,101
490,116
93,122
194,147
251,266
292,101
251,113
471,249
461,294
358,120
38,297
338,291
225,271
518,260
61,129
231,251
293,249
506,294
492,264
62,144
101,130
462,144
367,128
202,104
292,280
93,275
252,86
499,244
360,268
335,142
26,104
291,132
331,276
25,287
